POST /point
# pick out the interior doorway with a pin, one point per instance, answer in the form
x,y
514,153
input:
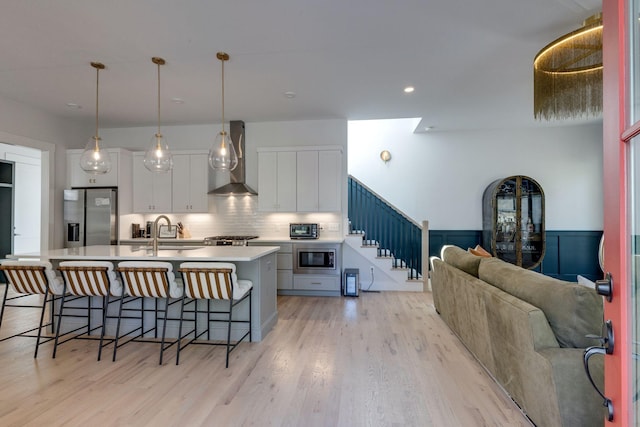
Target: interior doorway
x,y
27,196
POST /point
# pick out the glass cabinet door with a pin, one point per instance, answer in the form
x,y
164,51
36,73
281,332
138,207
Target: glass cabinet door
x,y
531,223
513,221
506,221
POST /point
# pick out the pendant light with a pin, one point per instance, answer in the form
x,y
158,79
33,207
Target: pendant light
x,y
222,155
94,160
567,74
158,158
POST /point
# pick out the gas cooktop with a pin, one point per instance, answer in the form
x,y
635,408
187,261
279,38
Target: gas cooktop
x,y
228,240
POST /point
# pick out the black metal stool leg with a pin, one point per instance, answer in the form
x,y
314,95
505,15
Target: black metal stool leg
x,y
180,330
55,345
44,308
115,345
164,328
4,301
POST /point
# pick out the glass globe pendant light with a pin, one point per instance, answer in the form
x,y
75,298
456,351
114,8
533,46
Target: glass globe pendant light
x,y
222,155
94,160
158,158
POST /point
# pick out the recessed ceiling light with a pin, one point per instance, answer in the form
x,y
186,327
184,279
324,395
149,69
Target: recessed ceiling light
x,y
428,128
177,100
290,94
73,105
409,89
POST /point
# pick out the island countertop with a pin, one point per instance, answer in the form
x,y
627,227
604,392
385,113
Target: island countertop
x,y
164,253
255,263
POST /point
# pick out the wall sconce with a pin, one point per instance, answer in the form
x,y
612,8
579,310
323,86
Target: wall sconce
x,y
385,155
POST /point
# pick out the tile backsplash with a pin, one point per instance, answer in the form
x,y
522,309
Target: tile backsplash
x,y
239,216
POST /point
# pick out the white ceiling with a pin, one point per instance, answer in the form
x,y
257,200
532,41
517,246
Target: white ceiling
x,y
470,61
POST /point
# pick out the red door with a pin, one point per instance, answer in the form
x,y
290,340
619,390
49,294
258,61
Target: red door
x,y
622,202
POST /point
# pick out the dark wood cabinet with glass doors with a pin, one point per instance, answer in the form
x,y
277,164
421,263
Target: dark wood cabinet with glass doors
x,y
513,221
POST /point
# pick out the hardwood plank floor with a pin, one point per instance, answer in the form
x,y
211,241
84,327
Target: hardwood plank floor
x,y
382,359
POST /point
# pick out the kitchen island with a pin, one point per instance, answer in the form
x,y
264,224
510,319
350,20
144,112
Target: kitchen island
x,y
257,264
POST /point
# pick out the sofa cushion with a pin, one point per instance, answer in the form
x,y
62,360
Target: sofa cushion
x,y
573,311
461,259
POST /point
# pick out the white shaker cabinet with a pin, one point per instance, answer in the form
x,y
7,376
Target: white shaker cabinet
x,y
284,270
300,179
119,176
76,177
190,183
151,191
319,181
277,181
329,181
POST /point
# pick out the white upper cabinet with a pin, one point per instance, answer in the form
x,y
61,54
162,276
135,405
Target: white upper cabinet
x,y
151,191
319,181
307,179
329,181
300,179
119,176
190,183
277,181
76,177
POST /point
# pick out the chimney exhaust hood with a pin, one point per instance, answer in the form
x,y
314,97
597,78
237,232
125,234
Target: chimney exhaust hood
x,y
237,184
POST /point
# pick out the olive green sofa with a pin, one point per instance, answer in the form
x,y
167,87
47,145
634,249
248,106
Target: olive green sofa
x,y
528,331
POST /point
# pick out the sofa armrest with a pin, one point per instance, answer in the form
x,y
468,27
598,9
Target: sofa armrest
x,y
579,403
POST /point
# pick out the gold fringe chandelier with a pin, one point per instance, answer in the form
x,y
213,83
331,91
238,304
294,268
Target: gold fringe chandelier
x,y
567,74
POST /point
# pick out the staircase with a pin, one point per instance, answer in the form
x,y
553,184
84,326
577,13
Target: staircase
x,y
377,272
385,244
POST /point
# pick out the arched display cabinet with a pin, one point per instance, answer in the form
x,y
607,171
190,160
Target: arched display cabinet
x,y
513,220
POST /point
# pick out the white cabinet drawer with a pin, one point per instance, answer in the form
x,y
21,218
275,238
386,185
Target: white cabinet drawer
x,y
316,283
285,279
285,261
285,247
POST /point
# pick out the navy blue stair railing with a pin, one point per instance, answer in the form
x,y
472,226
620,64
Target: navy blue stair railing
x,y
393,232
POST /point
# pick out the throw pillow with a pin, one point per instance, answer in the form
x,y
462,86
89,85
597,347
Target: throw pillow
x,y
479,251
586,282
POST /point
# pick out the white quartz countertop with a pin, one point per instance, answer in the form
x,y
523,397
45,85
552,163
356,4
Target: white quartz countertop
x,y
192,241
163,241
319,241
143,252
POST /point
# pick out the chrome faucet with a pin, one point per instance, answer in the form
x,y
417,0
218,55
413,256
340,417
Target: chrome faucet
x,y
155,231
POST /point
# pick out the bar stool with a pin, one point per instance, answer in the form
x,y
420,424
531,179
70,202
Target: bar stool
x,y
212,281
147,279
87,279
30,278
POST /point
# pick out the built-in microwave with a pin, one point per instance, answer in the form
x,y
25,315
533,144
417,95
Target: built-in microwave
x,y
303,231
320,259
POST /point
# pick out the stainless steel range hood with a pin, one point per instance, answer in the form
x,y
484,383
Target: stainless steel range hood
x,y
237,185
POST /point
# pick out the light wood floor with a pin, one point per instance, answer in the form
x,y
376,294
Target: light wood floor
x,y
383,359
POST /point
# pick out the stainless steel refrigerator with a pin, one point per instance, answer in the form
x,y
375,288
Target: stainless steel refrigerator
x,y
90,217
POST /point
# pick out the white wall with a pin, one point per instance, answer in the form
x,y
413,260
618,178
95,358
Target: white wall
x,y
440,176
29,127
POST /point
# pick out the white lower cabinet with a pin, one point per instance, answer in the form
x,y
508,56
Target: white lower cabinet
x,y
285,279
308,282
284,258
